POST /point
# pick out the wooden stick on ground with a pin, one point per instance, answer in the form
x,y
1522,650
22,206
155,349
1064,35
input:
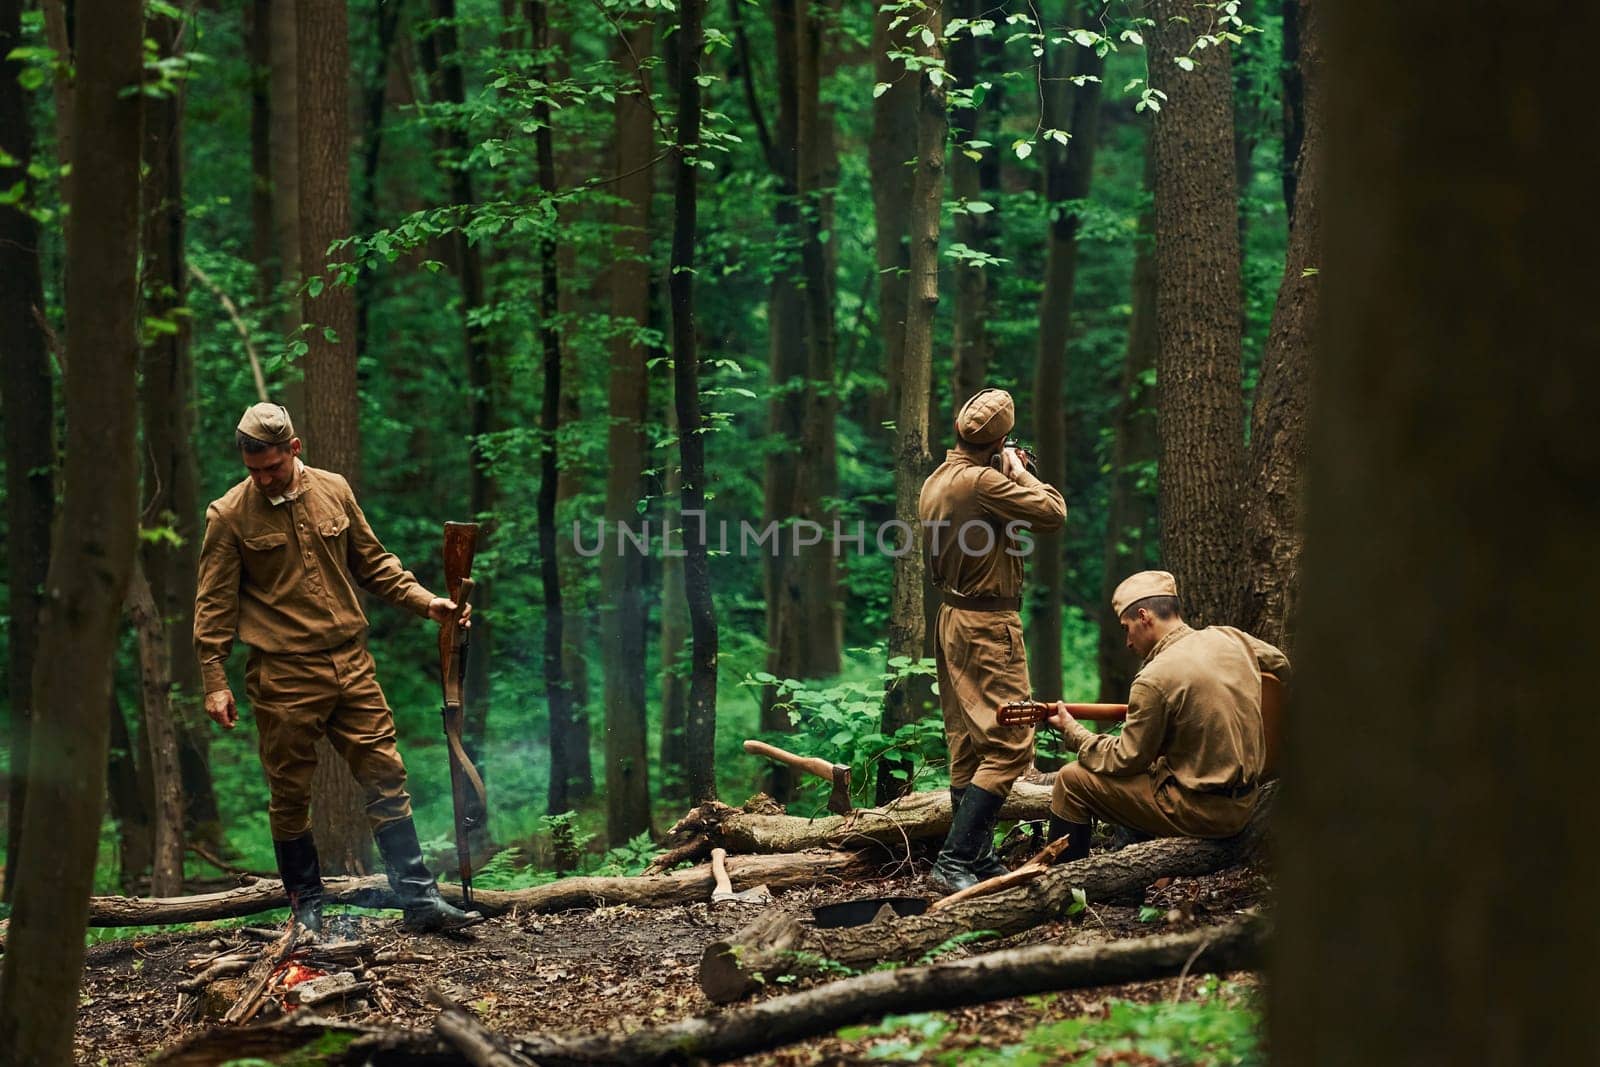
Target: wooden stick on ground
x,y
777,944
1025,873
479,1045
260,973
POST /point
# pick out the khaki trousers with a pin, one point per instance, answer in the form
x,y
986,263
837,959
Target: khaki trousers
x,y
982,664
299,699
1152,802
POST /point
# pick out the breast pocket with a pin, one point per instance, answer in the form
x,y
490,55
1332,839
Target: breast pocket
x,y
333,531
264,558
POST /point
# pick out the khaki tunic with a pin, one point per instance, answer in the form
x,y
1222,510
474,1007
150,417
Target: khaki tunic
x,y
1190,754
283,577
975,522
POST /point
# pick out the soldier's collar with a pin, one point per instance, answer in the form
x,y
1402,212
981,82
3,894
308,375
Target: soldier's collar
x,y
1176,634
297,487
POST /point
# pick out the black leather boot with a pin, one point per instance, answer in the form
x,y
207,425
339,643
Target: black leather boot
x,y
1123,836
987,865
302,879
1077,834
411,881
970,826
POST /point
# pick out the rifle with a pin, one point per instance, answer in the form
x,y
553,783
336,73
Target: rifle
x,y
470,801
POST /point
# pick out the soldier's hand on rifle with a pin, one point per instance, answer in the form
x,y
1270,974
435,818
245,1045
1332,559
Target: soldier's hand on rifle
x,y
221,708
1011,463
441,610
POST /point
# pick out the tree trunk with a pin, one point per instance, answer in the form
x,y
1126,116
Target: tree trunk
x,y
579,298
557,694
1201,412
889,155
817,476
284,149
700,727
1131,515
690,886
805,625
332,417
167,418
1451,530
971,345
1068,172
126,803
58,35
908,699
258,44
29,418
771,948
374,97
93,551
1274,532
622,614
160,738
1294,89
674,635
441,57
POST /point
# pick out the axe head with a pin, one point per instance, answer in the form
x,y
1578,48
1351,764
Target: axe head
x,y
839,798
754,895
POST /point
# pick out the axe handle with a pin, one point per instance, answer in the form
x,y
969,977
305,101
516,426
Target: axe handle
x,y
810,764
719,870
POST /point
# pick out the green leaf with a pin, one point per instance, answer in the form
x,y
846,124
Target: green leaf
x,y
881,88
979,207
1022,148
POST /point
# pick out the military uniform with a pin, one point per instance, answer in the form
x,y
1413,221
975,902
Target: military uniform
x,y
975,523
966,506
1188,760
283,576
281,572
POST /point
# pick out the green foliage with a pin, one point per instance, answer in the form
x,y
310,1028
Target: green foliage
x,y
1219,1028
950,944
629,858
842,723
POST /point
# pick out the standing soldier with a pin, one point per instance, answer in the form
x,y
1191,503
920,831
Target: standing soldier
x,y
284,551
974,514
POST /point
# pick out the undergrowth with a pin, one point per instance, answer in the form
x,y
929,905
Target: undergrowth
x,y
1220,1027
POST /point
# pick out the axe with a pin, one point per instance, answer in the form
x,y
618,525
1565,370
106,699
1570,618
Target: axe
x,y
724,893
837,773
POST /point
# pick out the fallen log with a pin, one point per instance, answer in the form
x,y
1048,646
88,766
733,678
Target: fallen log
x,y
668,890
992,976
783,1020
778,944
917,817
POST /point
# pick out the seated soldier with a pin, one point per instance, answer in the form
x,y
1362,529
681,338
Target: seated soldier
x,y
1190,754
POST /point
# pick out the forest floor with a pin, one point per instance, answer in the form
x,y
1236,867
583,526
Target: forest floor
x,y
620,968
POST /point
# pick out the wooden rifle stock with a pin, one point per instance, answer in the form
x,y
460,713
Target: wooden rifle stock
x,y
467,795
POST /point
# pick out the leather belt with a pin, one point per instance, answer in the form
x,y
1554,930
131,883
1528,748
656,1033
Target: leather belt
x,y
982,603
